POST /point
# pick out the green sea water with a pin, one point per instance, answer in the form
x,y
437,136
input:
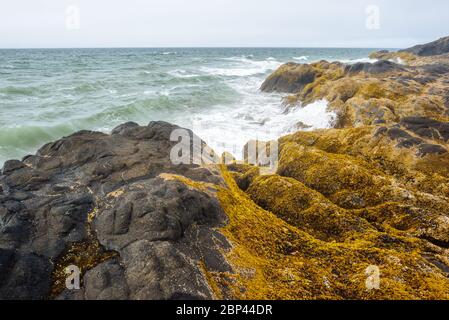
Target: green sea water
x,y
48,94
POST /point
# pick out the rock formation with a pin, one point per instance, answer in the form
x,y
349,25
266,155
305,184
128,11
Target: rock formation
x,y
112,205
370,194
437,47
368,94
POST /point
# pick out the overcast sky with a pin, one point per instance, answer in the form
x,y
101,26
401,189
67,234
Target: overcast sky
x,y
238,23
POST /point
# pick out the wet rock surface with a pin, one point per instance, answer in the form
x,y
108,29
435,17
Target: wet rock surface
x,y
378,181
381,66
290,78
371,193
437,47
399,85
348,199
427,128
118,192
420,133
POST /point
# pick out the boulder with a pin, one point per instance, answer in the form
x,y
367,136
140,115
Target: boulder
x,y
113,206
426,127
290,78
382,66
437,47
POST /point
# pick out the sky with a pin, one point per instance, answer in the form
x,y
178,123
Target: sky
x,y
221,23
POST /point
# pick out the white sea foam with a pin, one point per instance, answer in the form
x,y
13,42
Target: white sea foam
x,y
180,73
243,58
354,61
259,117
313,116
165,93
398,60
232,72
302,58
245,67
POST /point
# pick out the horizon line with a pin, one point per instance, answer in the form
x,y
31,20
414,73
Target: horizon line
x,y
193,47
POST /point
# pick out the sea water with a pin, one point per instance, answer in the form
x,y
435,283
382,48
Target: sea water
x,y
46,94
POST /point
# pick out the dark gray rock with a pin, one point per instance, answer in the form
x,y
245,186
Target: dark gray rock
x,y
124,128
25,276
410,142
12,165
436,69
426,149
434,48
121,191
381,66
107,281
158,270
154,210
409,128
397,133
427,128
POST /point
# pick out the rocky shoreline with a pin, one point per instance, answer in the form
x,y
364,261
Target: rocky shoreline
x,y
371,193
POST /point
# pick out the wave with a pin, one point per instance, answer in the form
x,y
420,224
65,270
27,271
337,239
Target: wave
x,y
398,60
360,60
16,141
301,58
180,73
173,78
21,91
258,118
236,72
25,139
221,91
311,117
245,68
88,87
243,58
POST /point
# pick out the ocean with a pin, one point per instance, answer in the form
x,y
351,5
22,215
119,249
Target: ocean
x,y
46,94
